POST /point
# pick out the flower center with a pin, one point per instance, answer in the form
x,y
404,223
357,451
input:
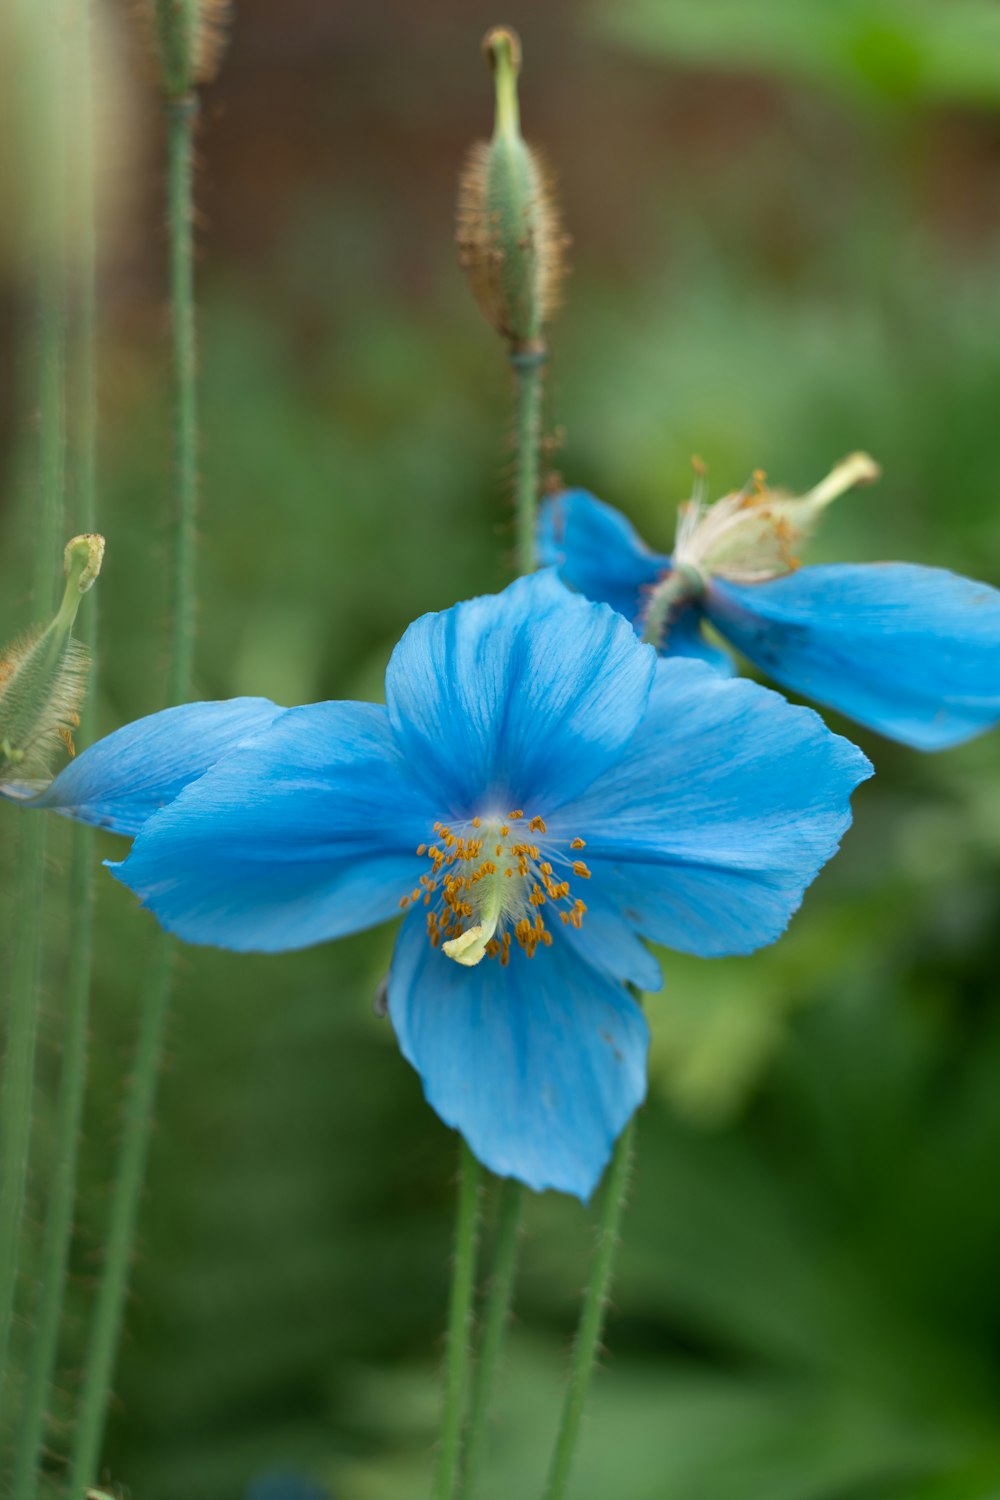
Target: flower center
x,y
489,879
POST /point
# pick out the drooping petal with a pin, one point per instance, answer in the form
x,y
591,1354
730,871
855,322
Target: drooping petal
x,y
598,551
910,651
684,636
539,1065
524,696
129,775
307,833
726,805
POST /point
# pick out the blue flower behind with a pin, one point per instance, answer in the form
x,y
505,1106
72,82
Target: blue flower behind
x,y
538,795
913,652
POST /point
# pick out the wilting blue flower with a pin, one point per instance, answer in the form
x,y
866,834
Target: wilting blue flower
x,y
913,652
538,794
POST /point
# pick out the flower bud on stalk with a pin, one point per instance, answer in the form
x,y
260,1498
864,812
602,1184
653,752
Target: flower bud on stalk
x,y
43,676
510,239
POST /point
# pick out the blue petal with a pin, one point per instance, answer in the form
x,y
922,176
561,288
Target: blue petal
x,y
912,652
305,834
726,805
539,1065
517,699
598,551
685,637
126,777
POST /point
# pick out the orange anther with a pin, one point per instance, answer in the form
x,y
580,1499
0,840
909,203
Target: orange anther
x,y
577,844
580,869
515,815
537,825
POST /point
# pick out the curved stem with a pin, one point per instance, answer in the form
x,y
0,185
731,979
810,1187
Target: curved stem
x,y
495,1320
458,1358
58,1229
595,1304
529,386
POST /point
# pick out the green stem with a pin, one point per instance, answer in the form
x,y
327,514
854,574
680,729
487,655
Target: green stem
x,y
181,116
58,1229
595,1304
127,1189
23,974
127,1192
495,1321
458,1357
529,385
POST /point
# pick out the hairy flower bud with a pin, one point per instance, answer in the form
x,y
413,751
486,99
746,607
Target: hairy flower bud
x,y
510,239
43,676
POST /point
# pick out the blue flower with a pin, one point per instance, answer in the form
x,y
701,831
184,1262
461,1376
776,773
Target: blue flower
x,y
912,652
538,794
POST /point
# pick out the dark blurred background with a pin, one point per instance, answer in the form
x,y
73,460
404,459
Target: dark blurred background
x,y
786,225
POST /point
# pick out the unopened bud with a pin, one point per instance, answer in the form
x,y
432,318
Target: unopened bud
x,y
510,239
43,676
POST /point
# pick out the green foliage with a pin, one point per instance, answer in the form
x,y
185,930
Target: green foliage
x,y
901,50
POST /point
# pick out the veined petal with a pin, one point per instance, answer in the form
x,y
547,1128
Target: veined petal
x,y
539,1064
910,651
129,775
598,551
726,805
305,834
524,696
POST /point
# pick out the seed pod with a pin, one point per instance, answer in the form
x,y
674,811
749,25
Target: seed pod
x,y
510,239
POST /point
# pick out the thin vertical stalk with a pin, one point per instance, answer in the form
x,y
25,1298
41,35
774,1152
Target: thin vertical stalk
x,y
127,1190
496,1317
458,1358
72,1084
529,384
16,1094
181,116
126,1195
595,1304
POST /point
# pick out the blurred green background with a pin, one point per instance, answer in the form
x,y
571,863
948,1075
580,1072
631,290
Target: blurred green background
x,y
786,224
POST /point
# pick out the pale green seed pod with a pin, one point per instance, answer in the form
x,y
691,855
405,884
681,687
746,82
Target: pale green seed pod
x,y
510,239
43,677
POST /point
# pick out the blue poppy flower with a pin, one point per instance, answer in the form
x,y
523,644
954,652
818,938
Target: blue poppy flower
x,y
912,652
538,795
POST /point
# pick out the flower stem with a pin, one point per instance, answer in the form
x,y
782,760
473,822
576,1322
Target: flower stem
x,y
127,1190
458,1358
595,1303
72,1084
181,116
529,384
495,1320
23,973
